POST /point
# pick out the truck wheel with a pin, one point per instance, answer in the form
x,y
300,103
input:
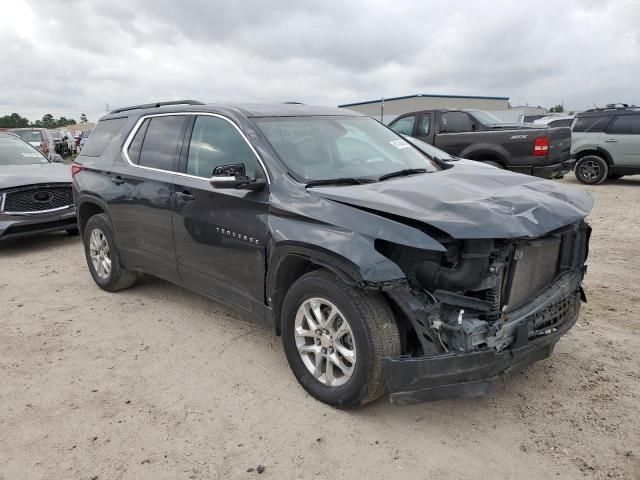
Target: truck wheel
x,y
591,170
335,337
102,256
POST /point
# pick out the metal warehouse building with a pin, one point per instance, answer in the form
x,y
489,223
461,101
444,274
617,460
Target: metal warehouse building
x,y
386,109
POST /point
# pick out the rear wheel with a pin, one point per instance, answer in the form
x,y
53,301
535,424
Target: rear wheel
x,y
335,337
102,256
591,170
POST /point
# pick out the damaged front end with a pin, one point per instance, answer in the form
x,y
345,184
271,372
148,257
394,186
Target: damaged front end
x,y
482,310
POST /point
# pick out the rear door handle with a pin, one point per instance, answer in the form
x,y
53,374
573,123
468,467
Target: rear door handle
x,y
611,140
117,180
185,195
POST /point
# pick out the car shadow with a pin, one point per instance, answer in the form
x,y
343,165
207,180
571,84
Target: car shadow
x,y
34,244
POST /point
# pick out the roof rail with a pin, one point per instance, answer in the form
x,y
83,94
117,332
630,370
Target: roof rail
x,y
156,105
612,106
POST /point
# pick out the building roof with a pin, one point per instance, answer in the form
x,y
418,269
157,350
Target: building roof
x,y
428,95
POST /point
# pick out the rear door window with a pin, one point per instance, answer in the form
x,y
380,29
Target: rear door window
x,y
455,122
424,124
162,142
625,125
404,126
104,132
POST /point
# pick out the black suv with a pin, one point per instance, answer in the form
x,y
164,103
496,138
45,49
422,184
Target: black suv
x,y
381,263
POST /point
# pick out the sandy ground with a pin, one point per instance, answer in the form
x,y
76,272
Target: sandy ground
x,y
159,383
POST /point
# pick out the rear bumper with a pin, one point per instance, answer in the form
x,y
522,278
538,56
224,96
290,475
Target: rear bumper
x,y
14,226
555,170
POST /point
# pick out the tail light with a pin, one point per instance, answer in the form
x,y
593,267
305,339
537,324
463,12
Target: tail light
x,y
541,146
75,168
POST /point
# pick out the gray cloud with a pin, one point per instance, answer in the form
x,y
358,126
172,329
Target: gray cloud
x,y
68,57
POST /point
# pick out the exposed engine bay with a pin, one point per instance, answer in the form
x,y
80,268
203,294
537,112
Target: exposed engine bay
x,y
489,294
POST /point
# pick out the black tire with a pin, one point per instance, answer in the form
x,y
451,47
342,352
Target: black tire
x,y
73,232
118,278
493,163
375,335
591,170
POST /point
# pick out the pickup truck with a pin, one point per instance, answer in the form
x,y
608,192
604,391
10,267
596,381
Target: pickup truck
x,y
478,135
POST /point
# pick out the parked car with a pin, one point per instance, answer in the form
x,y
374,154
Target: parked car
x,y
555,121
35,193
71,142
84,136
478,135
606,143
40,138
379,264
60,143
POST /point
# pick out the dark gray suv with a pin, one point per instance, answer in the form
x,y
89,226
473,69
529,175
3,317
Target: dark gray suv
x,y
383,265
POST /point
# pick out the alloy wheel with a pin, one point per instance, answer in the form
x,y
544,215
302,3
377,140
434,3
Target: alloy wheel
x,y
99,253
325,342
590,169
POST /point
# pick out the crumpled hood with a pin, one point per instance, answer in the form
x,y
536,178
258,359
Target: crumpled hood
x,y
471,200
18,175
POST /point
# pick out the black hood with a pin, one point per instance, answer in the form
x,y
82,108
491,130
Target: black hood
x,y
19,175
471,200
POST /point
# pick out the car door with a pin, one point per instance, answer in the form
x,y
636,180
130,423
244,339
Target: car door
x,y
140,201
622,140
220,234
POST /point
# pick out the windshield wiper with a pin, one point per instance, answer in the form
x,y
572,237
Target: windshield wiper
x,y
339,181
402,173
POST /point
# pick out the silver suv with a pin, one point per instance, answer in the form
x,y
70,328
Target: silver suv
x,y
606,143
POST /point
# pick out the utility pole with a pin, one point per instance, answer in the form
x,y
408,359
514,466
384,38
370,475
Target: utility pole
x,y
107,107
382,111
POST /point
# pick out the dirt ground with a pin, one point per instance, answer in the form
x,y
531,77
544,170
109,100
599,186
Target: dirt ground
x,y
159,383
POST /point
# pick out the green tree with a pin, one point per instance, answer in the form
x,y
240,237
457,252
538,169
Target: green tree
x,y
48,121
14,120
557,109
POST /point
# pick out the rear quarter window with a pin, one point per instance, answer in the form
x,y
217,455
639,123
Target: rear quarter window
x,y
591,124
100,137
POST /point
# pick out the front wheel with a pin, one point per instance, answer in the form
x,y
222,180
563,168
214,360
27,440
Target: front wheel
x,y
335,337
591,170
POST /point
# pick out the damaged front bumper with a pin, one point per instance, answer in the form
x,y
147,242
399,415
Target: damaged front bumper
x,y
531,333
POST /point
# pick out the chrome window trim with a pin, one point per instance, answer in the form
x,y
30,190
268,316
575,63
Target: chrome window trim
x,y
4,197
138,124
39,212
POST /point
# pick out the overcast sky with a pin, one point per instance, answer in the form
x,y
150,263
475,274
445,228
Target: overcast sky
x,y
67,57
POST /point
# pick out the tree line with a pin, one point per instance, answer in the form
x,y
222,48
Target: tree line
x,y
16,120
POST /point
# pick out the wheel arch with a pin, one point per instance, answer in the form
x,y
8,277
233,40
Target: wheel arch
x,y
600,152
87,207
290,262
485,153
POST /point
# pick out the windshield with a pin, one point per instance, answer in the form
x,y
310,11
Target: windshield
x,y
335,147
14,151
430,150
33,136
485,118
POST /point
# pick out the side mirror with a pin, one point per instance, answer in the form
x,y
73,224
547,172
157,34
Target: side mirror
x,y
55,158
234,176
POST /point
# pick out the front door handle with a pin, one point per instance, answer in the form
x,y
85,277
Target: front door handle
x,y
117,180
184,195
611,140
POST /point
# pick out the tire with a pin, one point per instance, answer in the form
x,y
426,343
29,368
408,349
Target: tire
x,y
493,164
73,232
591,170
372,335
116,278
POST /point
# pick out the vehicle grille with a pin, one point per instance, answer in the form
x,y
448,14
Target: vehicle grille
x,y
534,267
37,198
